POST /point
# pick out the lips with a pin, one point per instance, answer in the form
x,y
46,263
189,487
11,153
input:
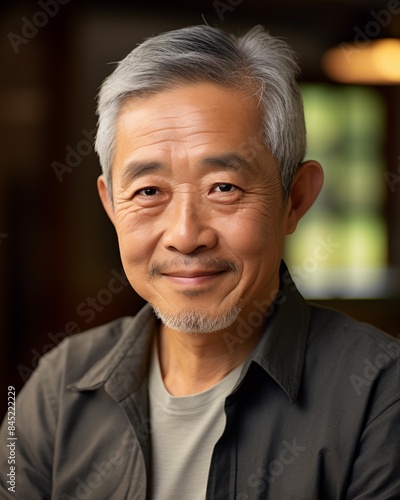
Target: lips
x,y
201,266
193,277
191,274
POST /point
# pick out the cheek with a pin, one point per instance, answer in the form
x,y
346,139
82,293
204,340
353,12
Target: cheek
x,y
137,237
253,234
136,251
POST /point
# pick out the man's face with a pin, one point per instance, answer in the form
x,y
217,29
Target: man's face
x,y
198,205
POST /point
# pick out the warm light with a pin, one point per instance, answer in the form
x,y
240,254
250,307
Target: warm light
x,y
372,62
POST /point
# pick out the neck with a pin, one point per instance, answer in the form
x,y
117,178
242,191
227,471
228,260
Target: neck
x,y
194,363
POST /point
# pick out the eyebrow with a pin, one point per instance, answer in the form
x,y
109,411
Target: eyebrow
x,y
229,161
136,169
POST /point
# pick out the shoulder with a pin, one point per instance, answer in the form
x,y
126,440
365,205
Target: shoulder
x,y
97,350
78,353
332,327
361,361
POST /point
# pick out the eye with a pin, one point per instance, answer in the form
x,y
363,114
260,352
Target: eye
x,y
148,191
225,188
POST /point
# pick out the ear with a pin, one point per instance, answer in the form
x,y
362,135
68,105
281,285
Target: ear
x,y
305,188
105,197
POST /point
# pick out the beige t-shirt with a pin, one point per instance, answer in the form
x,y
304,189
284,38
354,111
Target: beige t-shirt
x,y
184,430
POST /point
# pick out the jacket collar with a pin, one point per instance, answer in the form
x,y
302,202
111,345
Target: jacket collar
x,y
123,370
280,351
282,347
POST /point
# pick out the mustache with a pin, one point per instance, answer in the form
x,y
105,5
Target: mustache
x,y
156,269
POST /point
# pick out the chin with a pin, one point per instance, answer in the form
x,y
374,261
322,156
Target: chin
x,y
195,321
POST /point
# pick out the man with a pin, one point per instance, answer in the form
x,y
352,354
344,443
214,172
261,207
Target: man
x,y
227,385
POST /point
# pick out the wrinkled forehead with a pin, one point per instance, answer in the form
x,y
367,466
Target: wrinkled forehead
x,y
192,114
242,88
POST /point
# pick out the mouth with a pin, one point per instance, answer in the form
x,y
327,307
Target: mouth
x,y
194,277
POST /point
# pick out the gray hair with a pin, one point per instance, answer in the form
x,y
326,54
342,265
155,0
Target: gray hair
x,y
256,60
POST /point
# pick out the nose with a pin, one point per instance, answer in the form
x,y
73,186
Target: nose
x,y
187,227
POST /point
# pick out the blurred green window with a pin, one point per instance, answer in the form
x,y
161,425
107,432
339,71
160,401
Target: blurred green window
x,y
340,247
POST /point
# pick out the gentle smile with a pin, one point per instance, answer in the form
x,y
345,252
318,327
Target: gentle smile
x,y
188,269
192,277
191,274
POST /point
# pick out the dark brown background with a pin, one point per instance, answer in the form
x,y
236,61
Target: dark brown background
x,y
57,247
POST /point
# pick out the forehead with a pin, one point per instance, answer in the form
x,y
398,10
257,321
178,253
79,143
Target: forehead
x,y
189,111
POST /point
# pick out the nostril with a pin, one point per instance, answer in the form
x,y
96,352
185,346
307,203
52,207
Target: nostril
x,y
189,242
192,251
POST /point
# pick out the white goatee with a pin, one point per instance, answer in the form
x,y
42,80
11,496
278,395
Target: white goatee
x,y
196,322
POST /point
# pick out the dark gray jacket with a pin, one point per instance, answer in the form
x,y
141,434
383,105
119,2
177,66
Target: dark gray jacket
x,y
314,415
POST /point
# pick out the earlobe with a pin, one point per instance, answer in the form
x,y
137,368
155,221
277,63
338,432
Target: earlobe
x,y
105,197
305,188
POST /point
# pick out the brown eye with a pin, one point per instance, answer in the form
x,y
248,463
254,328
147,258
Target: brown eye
x,y
225,188
149,191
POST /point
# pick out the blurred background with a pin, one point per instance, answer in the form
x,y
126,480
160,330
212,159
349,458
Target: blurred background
x,y
59,262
